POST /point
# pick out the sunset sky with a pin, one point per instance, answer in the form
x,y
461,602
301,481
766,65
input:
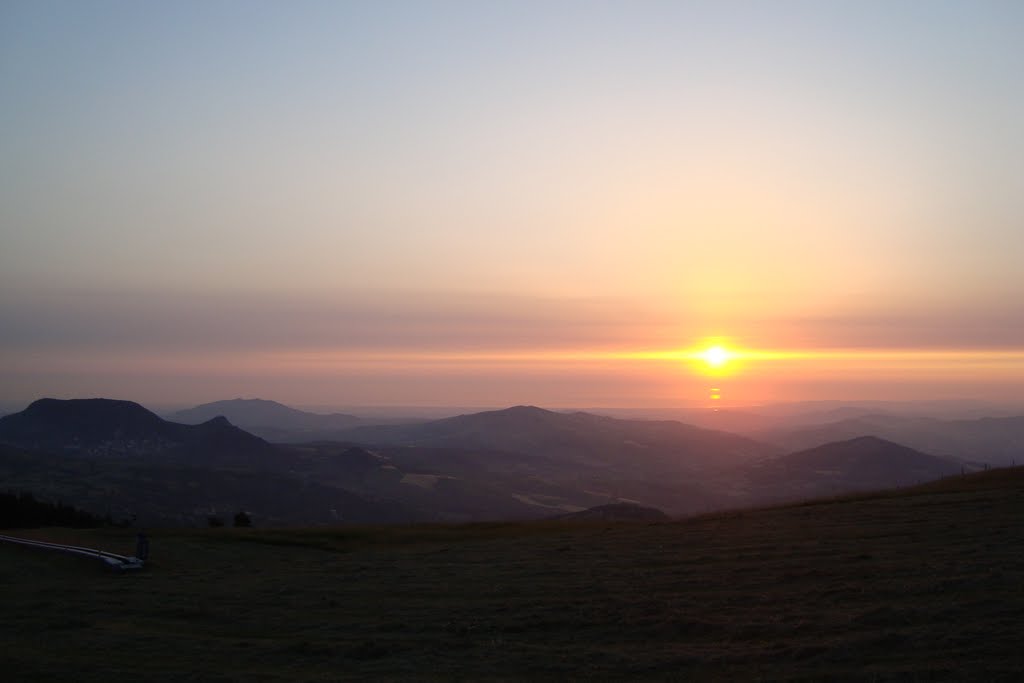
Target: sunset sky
x,y
491,203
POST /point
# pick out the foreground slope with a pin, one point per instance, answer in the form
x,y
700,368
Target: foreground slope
x,y
924,584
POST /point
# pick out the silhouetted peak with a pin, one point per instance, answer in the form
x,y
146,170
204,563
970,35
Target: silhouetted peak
x,y
87,409
249,402
864,444
618,512
861,449
582,414
219,421
871,441
525,411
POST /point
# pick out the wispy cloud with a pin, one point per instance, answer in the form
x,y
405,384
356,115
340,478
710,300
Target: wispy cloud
x,y
147,321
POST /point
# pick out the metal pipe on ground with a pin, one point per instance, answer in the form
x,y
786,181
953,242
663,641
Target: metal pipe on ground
x,y
114,561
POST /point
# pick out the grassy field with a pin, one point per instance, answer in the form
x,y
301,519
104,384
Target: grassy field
x,y
924,584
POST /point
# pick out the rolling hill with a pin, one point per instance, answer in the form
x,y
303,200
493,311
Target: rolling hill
x,y
270,419
106,428
859,464
116,458
574,460
520,463
993,440
654,447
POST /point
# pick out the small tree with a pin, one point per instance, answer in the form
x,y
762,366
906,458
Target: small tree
x,y
242,519
214,521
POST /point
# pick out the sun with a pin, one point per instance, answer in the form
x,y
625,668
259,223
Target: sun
x,y
716,356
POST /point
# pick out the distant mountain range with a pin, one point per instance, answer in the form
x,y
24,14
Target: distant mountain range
x,y
861,464
583,438
116,457
786,427
104,428
658,463
269,419
518,463
992,440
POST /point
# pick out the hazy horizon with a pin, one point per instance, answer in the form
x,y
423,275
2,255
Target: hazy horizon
x,y
560,203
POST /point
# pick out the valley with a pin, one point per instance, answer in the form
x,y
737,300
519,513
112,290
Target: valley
x,y
116,459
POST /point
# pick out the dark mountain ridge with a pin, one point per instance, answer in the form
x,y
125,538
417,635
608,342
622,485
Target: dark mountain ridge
x,y
269,419
117,458
994,440
859,464
519,463
103,428
569,461
576,437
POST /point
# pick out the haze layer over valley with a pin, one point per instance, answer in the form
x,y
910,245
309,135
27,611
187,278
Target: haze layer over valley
x,y
119,459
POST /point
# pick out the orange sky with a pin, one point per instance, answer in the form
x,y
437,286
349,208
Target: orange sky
x,y
564,378
497,203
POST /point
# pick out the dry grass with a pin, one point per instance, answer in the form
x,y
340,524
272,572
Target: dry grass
x,y
923,585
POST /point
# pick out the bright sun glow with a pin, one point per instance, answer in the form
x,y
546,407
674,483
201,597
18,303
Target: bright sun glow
x,y
716,356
